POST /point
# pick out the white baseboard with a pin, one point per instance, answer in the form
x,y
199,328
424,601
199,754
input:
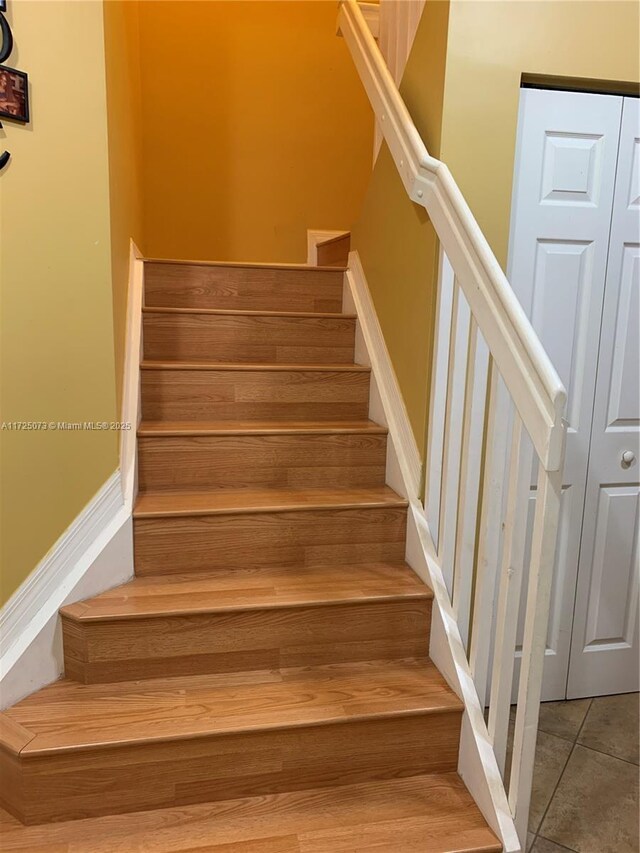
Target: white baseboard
x,y
477,764
386,404
315,236
94,554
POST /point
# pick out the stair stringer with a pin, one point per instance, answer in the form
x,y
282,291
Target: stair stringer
x,y
477,765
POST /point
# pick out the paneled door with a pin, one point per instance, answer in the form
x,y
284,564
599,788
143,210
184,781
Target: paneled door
x,y
565,171
604,653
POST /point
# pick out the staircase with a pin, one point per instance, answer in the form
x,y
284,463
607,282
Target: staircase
x,y
263,683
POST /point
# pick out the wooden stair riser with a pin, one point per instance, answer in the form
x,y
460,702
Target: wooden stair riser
x,y
279,461
334,252
250,339
132,778
181,544
239,641
243,288
249,395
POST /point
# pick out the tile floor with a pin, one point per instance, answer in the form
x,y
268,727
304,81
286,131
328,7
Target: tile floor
x,y
585,791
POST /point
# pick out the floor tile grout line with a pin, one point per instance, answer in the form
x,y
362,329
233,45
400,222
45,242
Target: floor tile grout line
x,y
544,814
607,754
561,846
555,734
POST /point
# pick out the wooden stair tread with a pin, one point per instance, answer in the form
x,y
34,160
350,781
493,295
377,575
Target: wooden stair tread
x,y
248,312
251,589
248,366
69,716
432,813
271,427
224,501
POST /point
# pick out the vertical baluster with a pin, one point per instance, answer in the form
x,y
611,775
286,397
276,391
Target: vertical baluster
x,y
510,585
470,470
489,537
543,547
402,40
458,350
438,398
415,14
388,32
386,39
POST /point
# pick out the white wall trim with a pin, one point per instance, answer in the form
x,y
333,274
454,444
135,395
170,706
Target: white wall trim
x,y
70,571
315,236
63,564
386,401
94,553
477,763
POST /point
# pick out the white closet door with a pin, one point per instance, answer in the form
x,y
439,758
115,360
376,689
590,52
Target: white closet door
x,y
563,191
604,655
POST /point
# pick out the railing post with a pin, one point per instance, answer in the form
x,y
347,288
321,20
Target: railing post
x,y
475,395
510,585
489,539
453,423
438,397
543,548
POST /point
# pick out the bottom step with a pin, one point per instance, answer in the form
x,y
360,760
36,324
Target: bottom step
x,y
430,814
74,751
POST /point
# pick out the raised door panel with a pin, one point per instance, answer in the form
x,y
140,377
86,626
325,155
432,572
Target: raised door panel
x,y
562,310
612,599
624,391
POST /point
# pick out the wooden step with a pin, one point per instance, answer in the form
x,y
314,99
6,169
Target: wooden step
x,y
193,391
245,620
430,814
179,335
257,500
278,460
103,749
177,533
257,287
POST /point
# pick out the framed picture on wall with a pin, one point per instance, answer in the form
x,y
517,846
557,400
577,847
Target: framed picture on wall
x,y
14,94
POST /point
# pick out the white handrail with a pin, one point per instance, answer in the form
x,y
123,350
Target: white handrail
x,y
533,382
484,341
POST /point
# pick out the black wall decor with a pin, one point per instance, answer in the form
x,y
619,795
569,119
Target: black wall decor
x,y
14,85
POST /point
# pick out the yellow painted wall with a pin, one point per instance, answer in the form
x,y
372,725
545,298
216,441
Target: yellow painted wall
x,y
394,237
481,53
122,63
57,358
255,128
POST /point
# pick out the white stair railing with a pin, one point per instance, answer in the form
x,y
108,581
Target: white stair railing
x,y
496,403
